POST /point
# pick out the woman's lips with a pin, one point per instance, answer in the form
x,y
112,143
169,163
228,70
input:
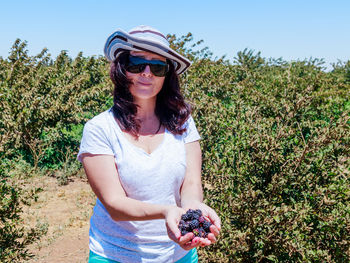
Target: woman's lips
x,y
144,83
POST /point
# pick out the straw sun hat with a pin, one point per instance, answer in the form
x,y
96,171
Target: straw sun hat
x,y
144,38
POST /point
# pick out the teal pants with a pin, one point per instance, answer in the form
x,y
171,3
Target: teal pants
x,y
191,257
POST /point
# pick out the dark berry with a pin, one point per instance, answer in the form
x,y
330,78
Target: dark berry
x,y
187,226
186,217
195,216
201,219
202,232
206,226
198,212
194,224
193,221
183,232
191,213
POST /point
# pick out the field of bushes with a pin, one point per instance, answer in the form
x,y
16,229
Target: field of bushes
x,y
275,140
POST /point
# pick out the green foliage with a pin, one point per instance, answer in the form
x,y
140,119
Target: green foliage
x,y
42,100
275,141
15,236
276,159
193,52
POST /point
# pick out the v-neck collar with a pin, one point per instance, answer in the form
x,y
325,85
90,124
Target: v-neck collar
x,y
135,147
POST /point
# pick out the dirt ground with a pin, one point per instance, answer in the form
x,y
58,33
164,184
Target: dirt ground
x,y
64,211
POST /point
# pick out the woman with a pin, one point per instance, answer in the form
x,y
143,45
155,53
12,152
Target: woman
x,y
142,157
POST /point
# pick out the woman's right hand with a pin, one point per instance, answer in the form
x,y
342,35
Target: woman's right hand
x,y
172,219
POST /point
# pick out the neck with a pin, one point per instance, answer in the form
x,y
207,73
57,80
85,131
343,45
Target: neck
x,y
146,110
150,124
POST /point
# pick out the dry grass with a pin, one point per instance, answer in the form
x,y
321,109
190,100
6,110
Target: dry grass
x,y
64,212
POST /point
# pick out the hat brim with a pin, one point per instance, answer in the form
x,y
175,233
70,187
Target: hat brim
x,y
120,41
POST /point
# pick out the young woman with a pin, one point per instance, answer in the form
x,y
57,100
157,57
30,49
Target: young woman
x,y
142,157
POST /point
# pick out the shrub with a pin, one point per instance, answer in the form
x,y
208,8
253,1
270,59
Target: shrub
x,y
42,100
15,236
276,160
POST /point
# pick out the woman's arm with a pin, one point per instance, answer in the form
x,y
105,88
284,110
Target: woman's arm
x,y
103,177
191,189
192,192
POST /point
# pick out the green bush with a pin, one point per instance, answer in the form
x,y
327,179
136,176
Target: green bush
x,y
15,235
42,100
276,143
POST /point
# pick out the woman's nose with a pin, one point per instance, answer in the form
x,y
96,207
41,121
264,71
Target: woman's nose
x,y
147,71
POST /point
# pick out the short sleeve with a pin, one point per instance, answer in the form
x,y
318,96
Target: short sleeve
x,y
191,133
94,141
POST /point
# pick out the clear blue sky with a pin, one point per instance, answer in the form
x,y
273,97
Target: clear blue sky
x,y
291,29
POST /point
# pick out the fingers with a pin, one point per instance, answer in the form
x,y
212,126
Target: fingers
x,y
174,230
211,238
214,230
186,238
204,242
171,235
187,241
215,219
172,224
195,242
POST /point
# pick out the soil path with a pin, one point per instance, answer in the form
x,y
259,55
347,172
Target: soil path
x,y
64,211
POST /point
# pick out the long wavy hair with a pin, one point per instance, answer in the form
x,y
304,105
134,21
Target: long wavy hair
x,y
171,108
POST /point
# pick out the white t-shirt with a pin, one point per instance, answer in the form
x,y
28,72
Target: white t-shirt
x,y
154,178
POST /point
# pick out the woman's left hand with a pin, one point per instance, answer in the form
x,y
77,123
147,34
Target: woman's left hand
x,y
211,215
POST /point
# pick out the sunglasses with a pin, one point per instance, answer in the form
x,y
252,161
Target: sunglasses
x,y
137,65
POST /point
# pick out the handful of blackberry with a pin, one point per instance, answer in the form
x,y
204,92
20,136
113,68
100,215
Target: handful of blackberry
x,y
193,221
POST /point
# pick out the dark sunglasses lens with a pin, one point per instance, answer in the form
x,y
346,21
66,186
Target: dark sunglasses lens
x,y
159,70
136,68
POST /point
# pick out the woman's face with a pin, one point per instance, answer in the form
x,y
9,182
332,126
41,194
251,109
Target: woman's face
x,y
145,85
